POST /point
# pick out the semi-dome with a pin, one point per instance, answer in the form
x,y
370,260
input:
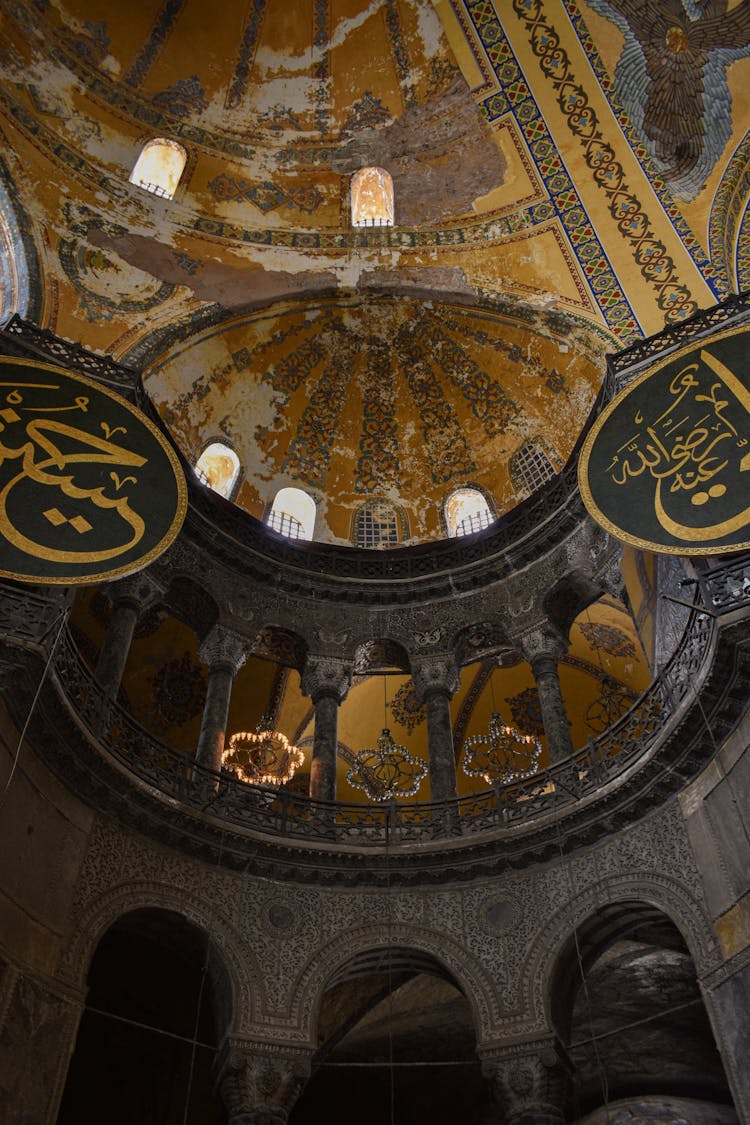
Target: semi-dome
x,y
382,399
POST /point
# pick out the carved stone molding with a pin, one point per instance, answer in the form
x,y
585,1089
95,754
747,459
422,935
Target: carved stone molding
x,y
326,676
433,674
223,649
259,1087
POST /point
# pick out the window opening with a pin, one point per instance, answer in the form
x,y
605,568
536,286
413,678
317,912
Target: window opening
x,y
376,524
530,467
372,198
292,514
159,167
467,511
219,467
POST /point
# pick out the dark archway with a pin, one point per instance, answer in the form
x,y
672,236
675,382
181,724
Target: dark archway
x,y
158,1002
394,1023
627,1006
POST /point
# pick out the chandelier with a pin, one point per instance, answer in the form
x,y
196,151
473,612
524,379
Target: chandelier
x,y
387,771
262,756
501,755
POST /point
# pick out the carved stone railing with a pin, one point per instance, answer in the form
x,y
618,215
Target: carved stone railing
x,y
597,766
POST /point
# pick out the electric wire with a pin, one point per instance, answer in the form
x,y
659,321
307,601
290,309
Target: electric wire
x,y
389,932
584,983
63,618
149,1027
199,1005
571,1047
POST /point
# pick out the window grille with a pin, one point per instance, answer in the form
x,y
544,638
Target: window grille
x,y
292,513
372,198
285,524
466,511
219,467
475,521
159,167
530,467
376,525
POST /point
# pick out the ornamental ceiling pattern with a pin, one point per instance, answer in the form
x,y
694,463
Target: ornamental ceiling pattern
x,y
400,400
535,156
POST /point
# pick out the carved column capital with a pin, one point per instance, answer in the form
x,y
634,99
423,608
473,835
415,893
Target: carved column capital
x,y
542,644
260,1086
326,676
436,674
221,648
529,1082
139,590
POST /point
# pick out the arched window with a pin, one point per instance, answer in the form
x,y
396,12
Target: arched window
x,y
530,467
219,467
376,524
372,198
159,167
292,514
466,511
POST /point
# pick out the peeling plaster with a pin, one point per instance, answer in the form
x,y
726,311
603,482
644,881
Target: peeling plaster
x,y
441,156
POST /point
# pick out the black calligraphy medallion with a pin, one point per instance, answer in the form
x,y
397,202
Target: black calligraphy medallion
x,y
89,488
666,467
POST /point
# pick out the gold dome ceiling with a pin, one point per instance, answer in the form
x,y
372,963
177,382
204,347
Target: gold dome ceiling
x,y
500,197
388,398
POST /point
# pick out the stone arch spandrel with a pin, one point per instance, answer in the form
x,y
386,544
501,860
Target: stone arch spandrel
x,y
102,913
468,974
663,892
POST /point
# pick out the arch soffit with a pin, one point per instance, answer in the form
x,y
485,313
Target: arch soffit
x,y
381,652
728,217
663,892
570,595
107,909
26,264
468,974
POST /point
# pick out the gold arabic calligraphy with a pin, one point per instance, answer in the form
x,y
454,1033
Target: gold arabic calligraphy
x,y
62,446
689,446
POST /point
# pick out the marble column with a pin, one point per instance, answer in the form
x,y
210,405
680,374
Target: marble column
x,y
260,1085
435,681
529,1083
326,679
128,598
543,649
224,653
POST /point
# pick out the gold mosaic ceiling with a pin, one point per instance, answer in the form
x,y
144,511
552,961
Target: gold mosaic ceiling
x,y
516,179
387,398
